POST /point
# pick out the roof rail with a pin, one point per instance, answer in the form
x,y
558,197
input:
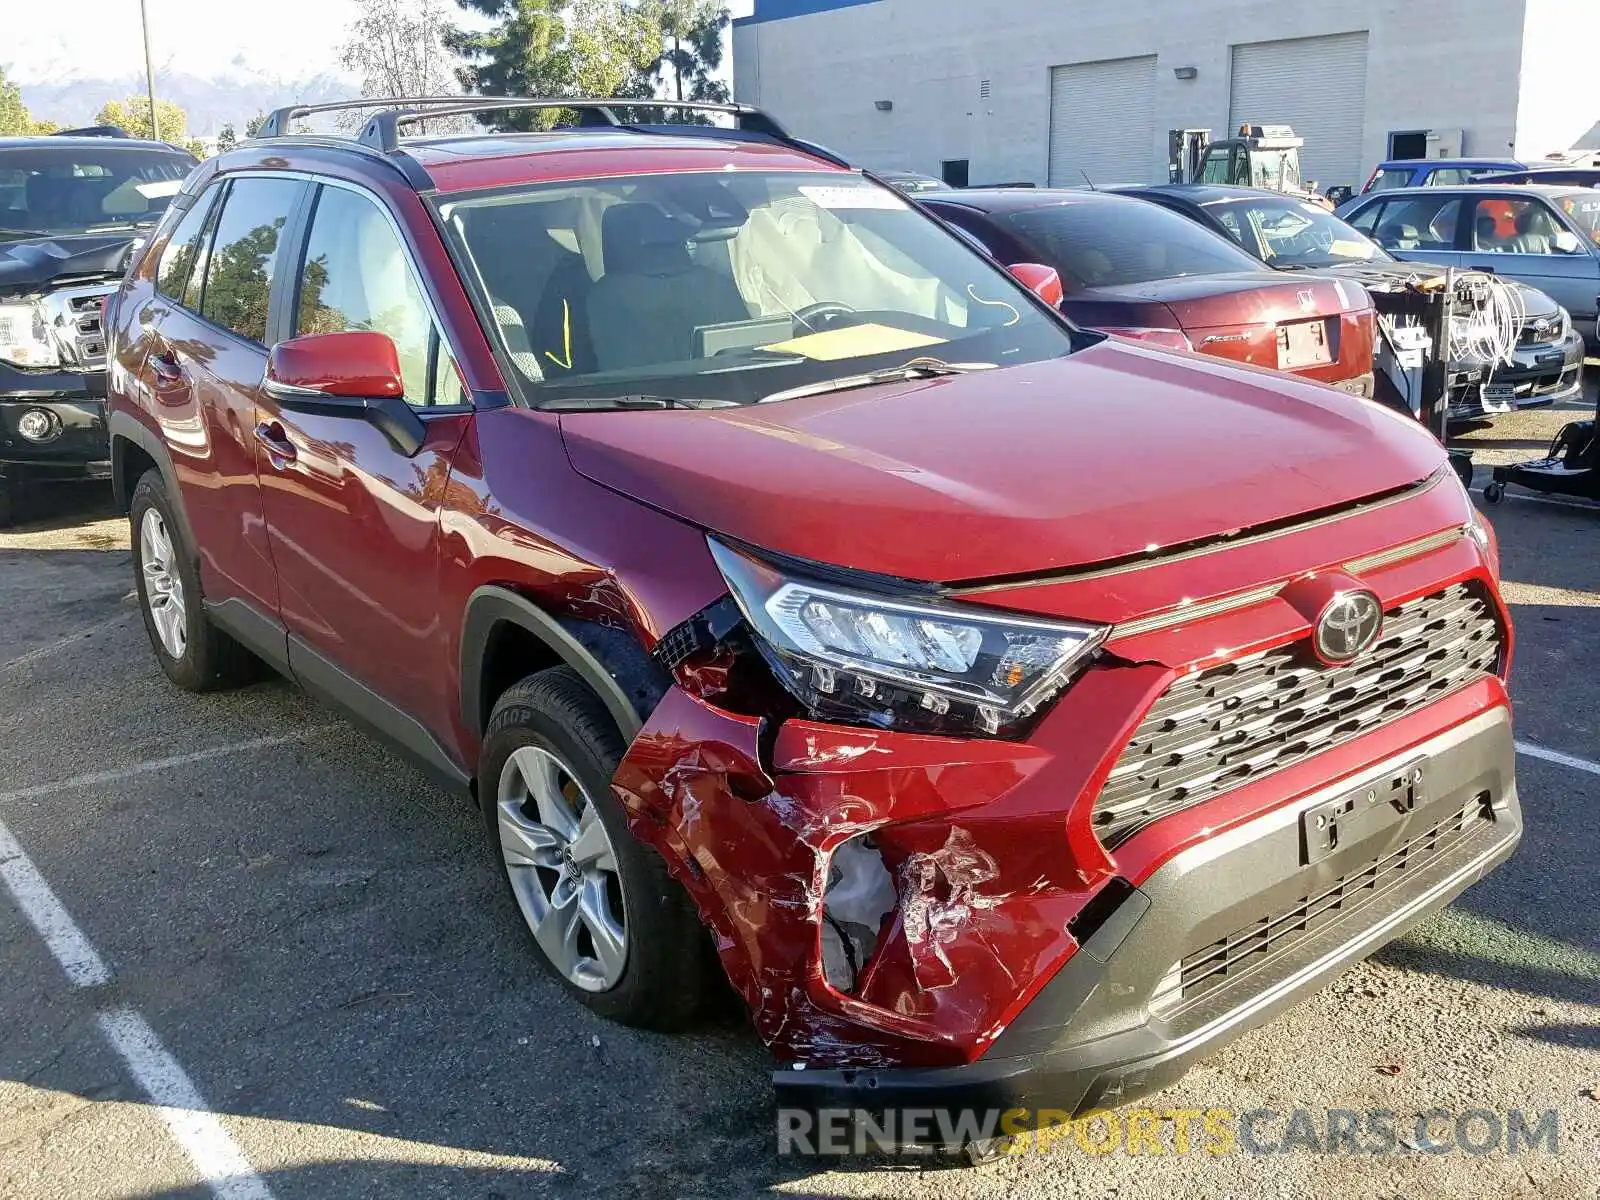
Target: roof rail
x,y
106,131
382,131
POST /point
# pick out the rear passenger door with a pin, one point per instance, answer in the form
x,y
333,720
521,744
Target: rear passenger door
x,y
205,338
353,522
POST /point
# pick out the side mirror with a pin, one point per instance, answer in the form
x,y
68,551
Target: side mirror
x,y
1339,193
354,374
1044,282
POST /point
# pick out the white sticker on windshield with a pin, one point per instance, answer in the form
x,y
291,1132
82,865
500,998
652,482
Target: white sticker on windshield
x,y
837,198
157,188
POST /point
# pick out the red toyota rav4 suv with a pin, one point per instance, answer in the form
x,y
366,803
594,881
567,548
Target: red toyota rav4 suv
x,y
1024,714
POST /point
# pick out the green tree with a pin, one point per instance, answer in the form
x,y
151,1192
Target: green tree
x,y
227,139
15,119
691,49
132,116
252,127
557,48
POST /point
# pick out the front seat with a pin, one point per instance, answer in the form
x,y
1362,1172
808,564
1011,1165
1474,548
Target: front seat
x,y
646,307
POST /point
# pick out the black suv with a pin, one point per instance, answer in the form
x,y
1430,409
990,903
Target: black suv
x,y
71,212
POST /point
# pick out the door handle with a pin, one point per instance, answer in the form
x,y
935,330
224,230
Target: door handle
x,y
271,435
166,366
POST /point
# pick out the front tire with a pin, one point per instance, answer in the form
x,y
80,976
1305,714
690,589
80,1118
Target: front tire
x,y
194,653
604,915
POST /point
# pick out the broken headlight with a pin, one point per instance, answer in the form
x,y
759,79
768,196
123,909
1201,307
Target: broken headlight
x,y
903,662
25,338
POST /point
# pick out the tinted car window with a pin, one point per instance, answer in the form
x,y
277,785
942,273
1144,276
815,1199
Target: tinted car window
x,y
1448,176
1423,223
239,276
1516,226
57,187
1390,177
357,276
1107,244
183,250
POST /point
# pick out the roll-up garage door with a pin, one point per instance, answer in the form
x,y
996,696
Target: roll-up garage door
x,y
1318,85
1102,122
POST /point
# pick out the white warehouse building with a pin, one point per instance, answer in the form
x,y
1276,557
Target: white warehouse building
x,y
1053,91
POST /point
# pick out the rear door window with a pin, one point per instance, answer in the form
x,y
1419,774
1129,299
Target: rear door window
x,y
1390,177
1448,176
1420,223
238,277
1113,243
182,261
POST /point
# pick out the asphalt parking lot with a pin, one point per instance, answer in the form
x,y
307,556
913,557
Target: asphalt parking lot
x,y
293,930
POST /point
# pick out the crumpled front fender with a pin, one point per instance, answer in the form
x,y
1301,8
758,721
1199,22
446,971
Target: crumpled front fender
x,y
977,846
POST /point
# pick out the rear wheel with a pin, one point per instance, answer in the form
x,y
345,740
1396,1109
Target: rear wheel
x,y
604,915
194,653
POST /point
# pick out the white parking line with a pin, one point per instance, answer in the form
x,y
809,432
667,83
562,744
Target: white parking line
x,y
97,778
50,648
49,916
1556,756
217,1157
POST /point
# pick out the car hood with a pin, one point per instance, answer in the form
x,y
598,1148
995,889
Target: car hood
x,y
1381,274
1264,297
1029,469
30,264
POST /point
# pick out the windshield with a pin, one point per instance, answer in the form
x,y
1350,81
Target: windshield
x,y
1290,233
1278,170
1389,178
732,287
1110,242
62,188
1583,210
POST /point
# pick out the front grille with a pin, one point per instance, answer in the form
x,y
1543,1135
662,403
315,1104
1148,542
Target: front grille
x,y
76,321
1222,727
1250,946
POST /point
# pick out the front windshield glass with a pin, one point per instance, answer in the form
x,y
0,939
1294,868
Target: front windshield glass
x,y
1277,170
1583,210
1294,234
59,188
732,287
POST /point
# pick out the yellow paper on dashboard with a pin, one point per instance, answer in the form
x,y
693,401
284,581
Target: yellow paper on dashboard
x,y
853,341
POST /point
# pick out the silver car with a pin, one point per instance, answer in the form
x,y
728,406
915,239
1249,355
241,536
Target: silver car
x,y
1547,237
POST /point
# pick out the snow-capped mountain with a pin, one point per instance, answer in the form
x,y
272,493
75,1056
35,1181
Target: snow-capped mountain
x,y
210,103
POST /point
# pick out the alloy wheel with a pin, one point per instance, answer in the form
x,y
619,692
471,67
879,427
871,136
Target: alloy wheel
x,y
563,869
163,585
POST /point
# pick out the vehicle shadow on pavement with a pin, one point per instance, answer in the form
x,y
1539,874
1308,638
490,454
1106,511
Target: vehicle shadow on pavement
x,y
51,507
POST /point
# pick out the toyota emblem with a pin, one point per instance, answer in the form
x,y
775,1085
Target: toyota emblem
x,y
1348,625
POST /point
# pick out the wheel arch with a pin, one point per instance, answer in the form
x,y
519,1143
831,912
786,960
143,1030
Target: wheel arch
x,y
135,450
611,661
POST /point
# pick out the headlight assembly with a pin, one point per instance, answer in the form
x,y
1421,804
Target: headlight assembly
x,y
900,663
25,340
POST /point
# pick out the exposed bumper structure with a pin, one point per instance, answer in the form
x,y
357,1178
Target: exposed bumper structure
x,y
1538,375
1226,935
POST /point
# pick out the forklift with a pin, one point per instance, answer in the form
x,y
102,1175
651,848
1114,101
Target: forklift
x,y
1261,156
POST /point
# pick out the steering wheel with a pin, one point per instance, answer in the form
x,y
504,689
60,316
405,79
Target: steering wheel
x,y
821,314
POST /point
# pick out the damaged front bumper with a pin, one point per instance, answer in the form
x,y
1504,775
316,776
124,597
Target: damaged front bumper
x,y
74,445
1221,938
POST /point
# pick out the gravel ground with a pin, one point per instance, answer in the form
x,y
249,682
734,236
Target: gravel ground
x,y
316,935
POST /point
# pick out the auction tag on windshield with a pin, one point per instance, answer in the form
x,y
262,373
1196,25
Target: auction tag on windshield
x,y
157,188
839,198
853,341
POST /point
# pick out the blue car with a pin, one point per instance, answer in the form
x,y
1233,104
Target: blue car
x,y
1430,172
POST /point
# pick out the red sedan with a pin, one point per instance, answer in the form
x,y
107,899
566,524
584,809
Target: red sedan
x,y
1141,272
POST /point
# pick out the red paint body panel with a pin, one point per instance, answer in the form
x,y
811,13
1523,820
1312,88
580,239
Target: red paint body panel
x,y
1009,472
1021,482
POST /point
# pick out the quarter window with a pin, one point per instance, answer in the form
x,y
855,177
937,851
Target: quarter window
x,y
184,251
357,276
238,278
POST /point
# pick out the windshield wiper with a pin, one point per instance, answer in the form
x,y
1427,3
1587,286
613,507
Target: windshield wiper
x,y
629,403
917,368
13,234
